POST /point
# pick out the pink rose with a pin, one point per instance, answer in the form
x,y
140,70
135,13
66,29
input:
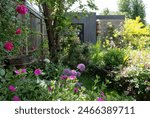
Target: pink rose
x,y
8,46
18,31
22,9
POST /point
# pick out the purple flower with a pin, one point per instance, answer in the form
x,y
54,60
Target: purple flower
x,y
73,72
12,88
16,98
22,9
76,90
38,72
78,74
81,67
67,72
63,77
102,94
72,77
50,89
100,99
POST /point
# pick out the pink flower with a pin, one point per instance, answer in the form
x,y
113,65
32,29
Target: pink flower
x,y
37,72
76,90
63,77
18,31
17,72
22,9
8,46
16,98
103,95
12,88
100,99
24,70
72,77
81,67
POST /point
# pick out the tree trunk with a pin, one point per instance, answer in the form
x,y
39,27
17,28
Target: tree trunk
x,y
52,41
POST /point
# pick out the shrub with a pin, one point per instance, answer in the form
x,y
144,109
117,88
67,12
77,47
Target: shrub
x,y
75,52
136,34
115,57
133,79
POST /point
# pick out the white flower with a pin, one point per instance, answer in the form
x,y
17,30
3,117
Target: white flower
x,y
46,60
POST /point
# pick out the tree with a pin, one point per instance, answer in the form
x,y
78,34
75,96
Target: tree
x,y
106,11
56,18
132,9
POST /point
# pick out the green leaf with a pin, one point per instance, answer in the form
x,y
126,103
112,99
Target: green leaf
x,y
2,72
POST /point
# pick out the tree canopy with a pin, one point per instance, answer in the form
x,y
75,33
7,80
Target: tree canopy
x,y
54,12
132,9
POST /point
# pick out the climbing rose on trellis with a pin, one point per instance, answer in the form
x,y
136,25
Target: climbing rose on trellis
x,y
8,46
22,9
18,31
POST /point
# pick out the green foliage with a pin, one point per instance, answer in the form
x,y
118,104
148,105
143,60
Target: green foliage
x,y
115,57
30,87
110,58
57,21
133,79
10,20
133,8
136,34
75,52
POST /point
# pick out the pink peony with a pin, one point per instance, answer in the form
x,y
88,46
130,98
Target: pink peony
x,y
22,9
18,31
12,88
8,46
81,67
37,72
16,98
100,99
76,90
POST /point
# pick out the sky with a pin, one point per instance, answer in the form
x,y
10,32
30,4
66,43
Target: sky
x,y
112,5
